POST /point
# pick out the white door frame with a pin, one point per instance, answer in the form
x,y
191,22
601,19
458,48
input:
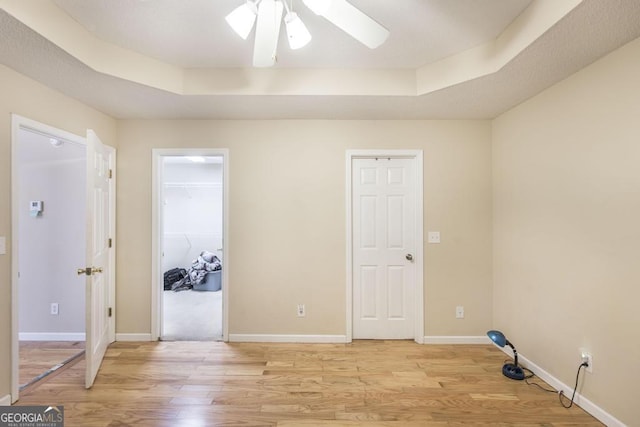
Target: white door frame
x,y
419,238
18,122
157,228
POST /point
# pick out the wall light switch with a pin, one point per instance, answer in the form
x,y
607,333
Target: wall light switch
x,y
433,237
3,245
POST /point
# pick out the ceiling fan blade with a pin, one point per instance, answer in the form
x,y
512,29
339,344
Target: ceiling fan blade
x,y
267,33
350,20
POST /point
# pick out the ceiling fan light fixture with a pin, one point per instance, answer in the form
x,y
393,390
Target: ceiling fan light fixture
x,y
319,7
297,33
243,18
267,17
267,33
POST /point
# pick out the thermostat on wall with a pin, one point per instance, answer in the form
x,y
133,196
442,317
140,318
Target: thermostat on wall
x,y
35,207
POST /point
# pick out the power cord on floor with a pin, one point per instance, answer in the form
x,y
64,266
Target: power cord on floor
x,y
548,390
582,365
561,392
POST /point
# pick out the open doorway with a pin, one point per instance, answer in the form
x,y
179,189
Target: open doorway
x,y
51,198
72,213
190,230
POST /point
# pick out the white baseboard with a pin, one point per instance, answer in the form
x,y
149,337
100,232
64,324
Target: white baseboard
x,y
133,337
438,339
51,336
590,407
5,400
593,409
339,339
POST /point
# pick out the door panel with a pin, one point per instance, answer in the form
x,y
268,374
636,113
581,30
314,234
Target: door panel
x,y
395,292
384,212
368,222
369,292
97,283
395,222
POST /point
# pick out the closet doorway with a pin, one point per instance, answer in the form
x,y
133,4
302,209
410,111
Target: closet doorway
x,y
190,226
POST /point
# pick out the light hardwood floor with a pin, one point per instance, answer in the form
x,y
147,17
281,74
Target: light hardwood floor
x,y
376,383
38,357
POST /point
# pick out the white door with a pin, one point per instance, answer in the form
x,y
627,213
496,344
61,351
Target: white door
x,y
384,222
97,260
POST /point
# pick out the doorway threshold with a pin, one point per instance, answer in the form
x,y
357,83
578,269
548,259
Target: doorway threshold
x,y
55,369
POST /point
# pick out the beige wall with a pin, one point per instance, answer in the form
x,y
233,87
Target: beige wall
x,y
562,212
287,219
561,209
566,168
23,96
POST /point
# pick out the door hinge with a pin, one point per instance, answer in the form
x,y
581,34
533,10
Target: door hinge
x,y
110,312
110,173
110,242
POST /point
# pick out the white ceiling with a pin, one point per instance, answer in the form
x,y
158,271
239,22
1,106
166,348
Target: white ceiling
x,y
193,34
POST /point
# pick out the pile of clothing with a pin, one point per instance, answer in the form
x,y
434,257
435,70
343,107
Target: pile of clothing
x,y
205,263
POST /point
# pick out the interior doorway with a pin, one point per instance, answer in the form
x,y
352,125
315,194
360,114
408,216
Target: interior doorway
x,y
385,289
59,196
190,223
50,216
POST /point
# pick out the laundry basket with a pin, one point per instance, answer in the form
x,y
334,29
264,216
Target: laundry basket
x,y
212,282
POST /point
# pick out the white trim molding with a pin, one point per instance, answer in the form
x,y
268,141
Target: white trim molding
x,y
5,400
133,337
455,339
590,407
593,409
51,336
307,339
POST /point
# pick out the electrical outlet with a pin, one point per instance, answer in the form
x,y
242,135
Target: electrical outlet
x,y
301,311
459,312
54,308
586,357
433,237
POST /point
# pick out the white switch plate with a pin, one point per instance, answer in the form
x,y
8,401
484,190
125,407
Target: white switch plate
x,y
433,237
3,245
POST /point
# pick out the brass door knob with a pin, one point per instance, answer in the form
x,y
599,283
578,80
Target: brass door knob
x,y
89,270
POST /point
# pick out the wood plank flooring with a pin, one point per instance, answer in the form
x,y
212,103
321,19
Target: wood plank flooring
x,y
37,357
372,383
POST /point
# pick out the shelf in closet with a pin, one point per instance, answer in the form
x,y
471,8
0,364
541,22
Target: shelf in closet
x,y
187,187
188,237
193,185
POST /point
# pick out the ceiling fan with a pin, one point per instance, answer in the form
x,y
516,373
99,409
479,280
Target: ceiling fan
x,y
268,14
